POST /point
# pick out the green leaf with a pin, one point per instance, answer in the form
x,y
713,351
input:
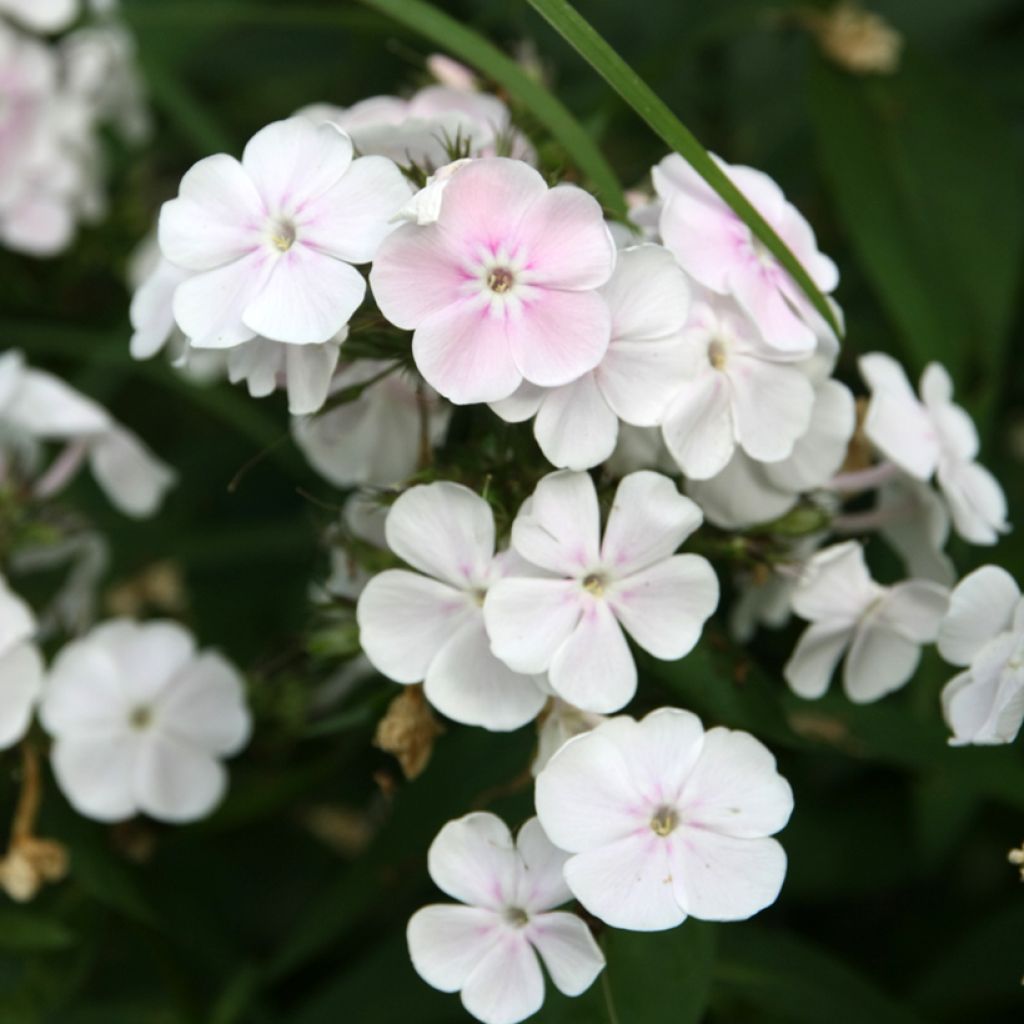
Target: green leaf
x,y
774,972
29,931
585,39
926,180
474,49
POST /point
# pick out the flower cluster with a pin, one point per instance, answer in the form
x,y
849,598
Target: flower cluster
x,y
59,94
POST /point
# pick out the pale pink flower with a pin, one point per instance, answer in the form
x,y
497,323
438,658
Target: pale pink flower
x,y
719,251
573,623
666,821
502,288
487,946
271,240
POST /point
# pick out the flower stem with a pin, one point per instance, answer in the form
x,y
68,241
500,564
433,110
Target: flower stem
x,y
609,1001
864,479
23,826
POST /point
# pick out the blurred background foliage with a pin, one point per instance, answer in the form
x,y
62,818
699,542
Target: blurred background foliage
x,y
290,903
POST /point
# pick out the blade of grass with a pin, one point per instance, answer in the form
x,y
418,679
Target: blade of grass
x,y
585,39
474,49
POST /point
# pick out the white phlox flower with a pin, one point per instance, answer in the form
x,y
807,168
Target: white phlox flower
x,y
21,667
41,15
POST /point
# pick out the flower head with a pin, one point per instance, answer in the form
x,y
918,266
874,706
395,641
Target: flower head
x,y
429,625
487,948
271,240
665,820
140,721
880,629
571,622
502,288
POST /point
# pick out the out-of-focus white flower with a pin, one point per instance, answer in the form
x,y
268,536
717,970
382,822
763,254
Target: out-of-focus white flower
x,y
503,287
21,667
487,946
572,623
738,392
42,407
271,240
577,425
429,625
984,632
881,629
363,518
914,521
451,73
666,821
933,436
41,15
141,721
719,251
374,438
560,723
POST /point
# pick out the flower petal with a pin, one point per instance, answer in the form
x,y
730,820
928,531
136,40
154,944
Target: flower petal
x,y
528,619
814,659
473,860
574,427
880,661
649,294
132,477
640,379
97,775
507,985
541,885
772,406
21,683
559,529
698,426
981,606
208,307
447,942
309,369
567,947
835,585
175,781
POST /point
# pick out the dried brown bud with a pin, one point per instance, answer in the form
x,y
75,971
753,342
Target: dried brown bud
x,y
859,41
30,863
408,731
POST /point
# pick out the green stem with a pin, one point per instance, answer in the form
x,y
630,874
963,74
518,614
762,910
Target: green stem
x,y
609,1001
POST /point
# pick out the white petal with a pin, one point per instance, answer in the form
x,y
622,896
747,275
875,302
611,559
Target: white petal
x,y
586,796
735,789
915,609
521,405
529,619
722,878
649,294
976,501
309,372
835,585
473,860
444,530
560,527
447,942
574,427
628,883
208,307
97,775
639,379
880,661
981,605
664,607
814,659
17,622
568,949
175,780
46,407
698,427
648,521
21,683
772,405
741,495
466,682
404,621
594,668
541,885
134,479
507,985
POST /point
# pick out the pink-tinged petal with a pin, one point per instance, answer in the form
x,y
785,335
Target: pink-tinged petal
x,y
464,353
660,750
835,585
352,219
21,683
977,503
447,942
556,336
628,883
703,236
307,299
794,230
574,427
541,884
176,781
485,201
468,684
507,985
648,521
208,307
880,660
772,404
648,295
763,193
405,619
529,619
568,949
39,225
594,668
205,706
735,789
639,379
559,528
722,878
96,774
813,662
565,241
216,218
473,860
586,796
294,161
981,606
445,530
915,608
698,426
521,405
664,607
759,295
416,274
